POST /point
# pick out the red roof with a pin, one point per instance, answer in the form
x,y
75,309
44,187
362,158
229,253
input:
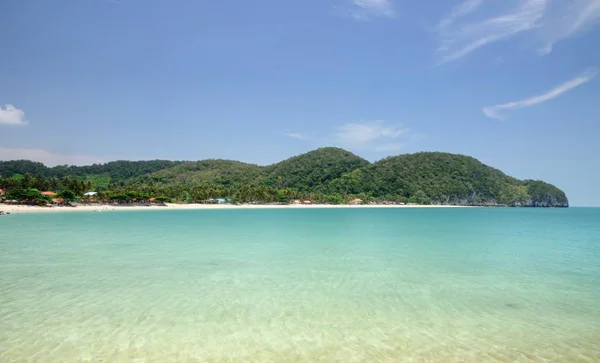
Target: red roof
x,y
49,194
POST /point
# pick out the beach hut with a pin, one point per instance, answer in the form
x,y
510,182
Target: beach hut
x,y
49,194
355,201
58,201
2,191
306,202
90,197
219,200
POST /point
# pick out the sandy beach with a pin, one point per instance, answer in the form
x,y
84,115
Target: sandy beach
x,y
23,209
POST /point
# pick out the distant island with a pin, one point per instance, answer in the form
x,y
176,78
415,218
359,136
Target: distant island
x,y
323,176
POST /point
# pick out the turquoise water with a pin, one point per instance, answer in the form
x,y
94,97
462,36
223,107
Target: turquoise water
x,y
298,285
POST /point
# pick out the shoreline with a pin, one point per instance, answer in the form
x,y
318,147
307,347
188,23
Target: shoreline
x,y
25,209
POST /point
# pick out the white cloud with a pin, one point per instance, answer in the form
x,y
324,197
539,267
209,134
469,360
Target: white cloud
x,y
459,39
392,146
492,111
473,24
9,115
46,157
458,11
366,9
567,19
368,135
297,135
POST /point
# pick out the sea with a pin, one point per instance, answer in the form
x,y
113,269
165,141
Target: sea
x,y
301,285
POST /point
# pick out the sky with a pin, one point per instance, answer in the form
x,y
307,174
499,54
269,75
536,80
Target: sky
x,y
514,83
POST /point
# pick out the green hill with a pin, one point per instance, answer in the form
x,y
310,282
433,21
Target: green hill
x,y
442,178
223,172
314,170
116,170
330,175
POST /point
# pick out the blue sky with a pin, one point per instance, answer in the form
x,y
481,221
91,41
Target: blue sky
x,y
512,83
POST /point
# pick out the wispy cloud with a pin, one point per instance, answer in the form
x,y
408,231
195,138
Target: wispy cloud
x,y
9,115
458,11
493,111
297,135
392,146
474,24
567,19
375,135
368,9
459,39
46,157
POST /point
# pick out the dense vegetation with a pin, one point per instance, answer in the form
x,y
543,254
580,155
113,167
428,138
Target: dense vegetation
x,y
326,175
222,172
313,171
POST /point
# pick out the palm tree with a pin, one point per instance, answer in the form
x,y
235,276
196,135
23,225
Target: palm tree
x,y
67,195
53,183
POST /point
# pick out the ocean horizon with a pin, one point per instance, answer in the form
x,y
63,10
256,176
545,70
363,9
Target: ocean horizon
x,y
301,285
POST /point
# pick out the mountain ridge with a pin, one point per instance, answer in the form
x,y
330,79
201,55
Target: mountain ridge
x,y
329,174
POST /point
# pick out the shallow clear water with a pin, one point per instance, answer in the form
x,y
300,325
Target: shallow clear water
x,y
318,285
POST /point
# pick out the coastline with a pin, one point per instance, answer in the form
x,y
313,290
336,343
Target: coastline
x,y
25,209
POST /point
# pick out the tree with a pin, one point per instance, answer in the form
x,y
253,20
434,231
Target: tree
x,y
67,195
29,196
420,198
334,199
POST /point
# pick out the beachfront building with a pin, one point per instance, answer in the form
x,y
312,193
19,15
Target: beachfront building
x,y
49,194
220,200
355,202
2,191
90,197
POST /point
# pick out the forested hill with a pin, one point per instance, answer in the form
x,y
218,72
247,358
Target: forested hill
x,y
326,175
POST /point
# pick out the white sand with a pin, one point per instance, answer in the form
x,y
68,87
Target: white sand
x,y
20,209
